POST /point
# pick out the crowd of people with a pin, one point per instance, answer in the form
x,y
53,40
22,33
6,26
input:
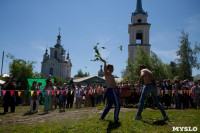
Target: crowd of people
x,y
177,94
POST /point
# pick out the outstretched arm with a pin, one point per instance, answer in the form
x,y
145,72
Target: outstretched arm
x,y
105,66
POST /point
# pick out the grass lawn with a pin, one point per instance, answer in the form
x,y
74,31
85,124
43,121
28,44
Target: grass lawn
x,y
87,120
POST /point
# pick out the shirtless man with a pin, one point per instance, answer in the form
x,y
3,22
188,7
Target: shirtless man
x,y
149,87
110,92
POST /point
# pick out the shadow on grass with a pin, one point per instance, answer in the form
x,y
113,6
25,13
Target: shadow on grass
x,y
113,126
2,113
29,113
43,113
158,122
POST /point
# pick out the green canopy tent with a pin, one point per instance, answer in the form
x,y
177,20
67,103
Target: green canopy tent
x,y
30,82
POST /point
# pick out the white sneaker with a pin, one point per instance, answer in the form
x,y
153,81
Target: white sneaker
x,y
137,117
166,118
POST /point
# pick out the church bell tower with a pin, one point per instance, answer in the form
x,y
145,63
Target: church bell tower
x,y
138,32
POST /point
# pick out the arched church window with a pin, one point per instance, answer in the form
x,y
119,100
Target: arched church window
x,y
139,35
51,71
55,54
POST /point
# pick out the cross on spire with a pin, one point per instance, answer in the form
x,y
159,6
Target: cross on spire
x,y
59,30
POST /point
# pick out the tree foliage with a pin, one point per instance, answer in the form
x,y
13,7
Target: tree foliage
x,y
60,80
187,57
180,70
80,74
152,62
20,70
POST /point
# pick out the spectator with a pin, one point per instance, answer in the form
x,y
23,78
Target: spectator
x,y
99,95
177,97
47,97
63,97
8,99
34,97
196,91
78,96
70,95
87,102
168,89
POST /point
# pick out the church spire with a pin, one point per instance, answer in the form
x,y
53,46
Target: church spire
x,y
58,44
46,52
139,6
139,9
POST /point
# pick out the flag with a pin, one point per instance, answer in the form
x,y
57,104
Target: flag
x,y
4,92
11,93
19,93
32,93
189,92
53,92
38,92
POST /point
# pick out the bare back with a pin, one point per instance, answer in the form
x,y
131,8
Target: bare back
x,y
148,77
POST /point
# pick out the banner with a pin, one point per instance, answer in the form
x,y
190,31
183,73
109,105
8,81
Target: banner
x,y
30,82
88,92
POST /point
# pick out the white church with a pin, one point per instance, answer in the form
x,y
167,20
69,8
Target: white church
x,y
56,63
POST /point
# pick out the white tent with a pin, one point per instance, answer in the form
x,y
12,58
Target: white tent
x,y
2,82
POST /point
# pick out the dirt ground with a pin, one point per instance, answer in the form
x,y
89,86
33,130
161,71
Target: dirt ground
x,y
54,115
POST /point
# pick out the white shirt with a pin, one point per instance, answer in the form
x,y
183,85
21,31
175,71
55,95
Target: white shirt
x,y
78,92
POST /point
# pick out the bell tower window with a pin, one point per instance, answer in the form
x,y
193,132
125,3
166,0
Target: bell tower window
x,y
139,36
139,20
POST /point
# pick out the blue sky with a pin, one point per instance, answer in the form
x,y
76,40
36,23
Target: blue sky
x,y
28,27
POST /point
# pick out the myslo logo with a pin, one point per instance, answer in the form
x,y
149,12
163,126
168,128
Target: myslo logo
x,y
194,129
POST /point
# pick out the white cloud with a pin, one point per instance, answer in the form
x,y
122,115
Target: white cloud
x,y
38,45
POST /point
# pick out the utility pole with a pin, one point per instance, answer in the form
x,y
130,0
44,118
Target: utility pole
x,y
2,63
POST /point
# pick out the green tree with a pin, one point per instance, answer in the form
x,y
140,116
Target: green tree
x,y
158,67
80,74
20,70
38,75
60,80
152,62
172,70
187,57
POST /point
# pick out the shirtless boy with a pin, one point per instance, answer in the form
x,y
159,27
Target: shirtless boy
x,y
110,92
149,87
